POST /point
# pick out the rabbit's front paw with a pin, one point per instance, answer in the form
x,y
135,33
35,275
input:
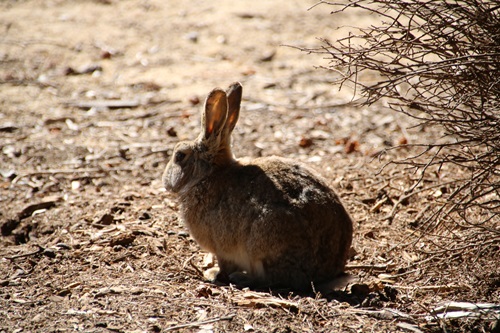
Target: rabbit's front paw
x,y
211,274
215,275
240,279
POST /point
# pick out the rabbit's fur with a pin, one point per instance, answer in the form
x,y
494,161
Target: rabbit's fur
x,y
270,221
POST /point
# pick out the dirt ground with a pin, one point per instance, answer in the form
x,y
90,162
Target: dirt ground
x,y
93,96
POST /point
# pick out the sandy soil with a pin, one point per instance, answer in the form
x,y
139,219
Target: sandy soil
x,y
94,94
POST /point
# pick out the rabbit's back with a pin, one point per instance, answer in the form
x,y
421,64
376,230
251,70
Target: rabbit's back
x,y
270,212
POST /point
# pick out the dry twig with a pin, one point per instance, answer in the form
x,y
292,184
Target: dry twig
x,y
199,323
439,62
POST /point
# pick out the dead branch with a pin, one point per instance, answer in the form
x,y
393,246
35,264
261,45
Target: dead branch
x,y
438,62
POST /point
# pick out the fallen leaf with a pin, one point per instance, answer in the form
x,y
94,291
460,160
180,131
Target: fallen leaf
x,y
351,146
203,291
305,142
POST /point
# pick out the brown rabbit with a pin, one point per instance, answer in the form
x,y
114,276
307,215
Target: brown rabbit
x,y
270,221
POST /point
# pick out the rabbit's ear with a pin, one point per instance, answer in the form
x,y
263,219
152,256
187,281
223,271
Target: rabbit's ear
x,y
234,100
214,116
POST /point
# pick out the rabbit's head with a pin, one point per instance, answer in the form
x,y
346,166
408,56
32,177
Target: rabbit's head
x,y
192,161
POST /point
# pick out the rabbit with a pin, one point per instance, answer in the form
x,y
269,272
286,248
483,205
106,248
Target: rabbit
x,y
270,221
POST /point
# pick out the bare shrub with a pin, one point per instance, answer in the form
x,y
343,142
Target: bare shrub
x,y
439,62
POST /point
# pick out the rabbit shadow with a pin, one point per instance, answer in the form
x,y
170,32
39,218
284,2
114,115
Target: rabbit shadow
x,y
340,289
351,296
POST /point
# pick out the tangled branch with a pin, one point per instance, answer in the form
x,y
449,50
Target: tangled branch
x,y
439,62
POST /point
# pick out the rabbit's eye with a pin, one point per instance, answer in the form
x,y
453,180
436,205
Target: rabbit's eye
x,y
179,156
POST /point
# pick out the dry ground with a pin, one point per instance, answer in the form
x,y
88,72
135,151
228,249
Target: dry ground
x,y
94,94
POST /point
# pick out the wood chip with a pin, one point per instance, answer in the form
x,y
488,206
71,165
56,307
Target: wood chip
x,y
123,239
258,300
